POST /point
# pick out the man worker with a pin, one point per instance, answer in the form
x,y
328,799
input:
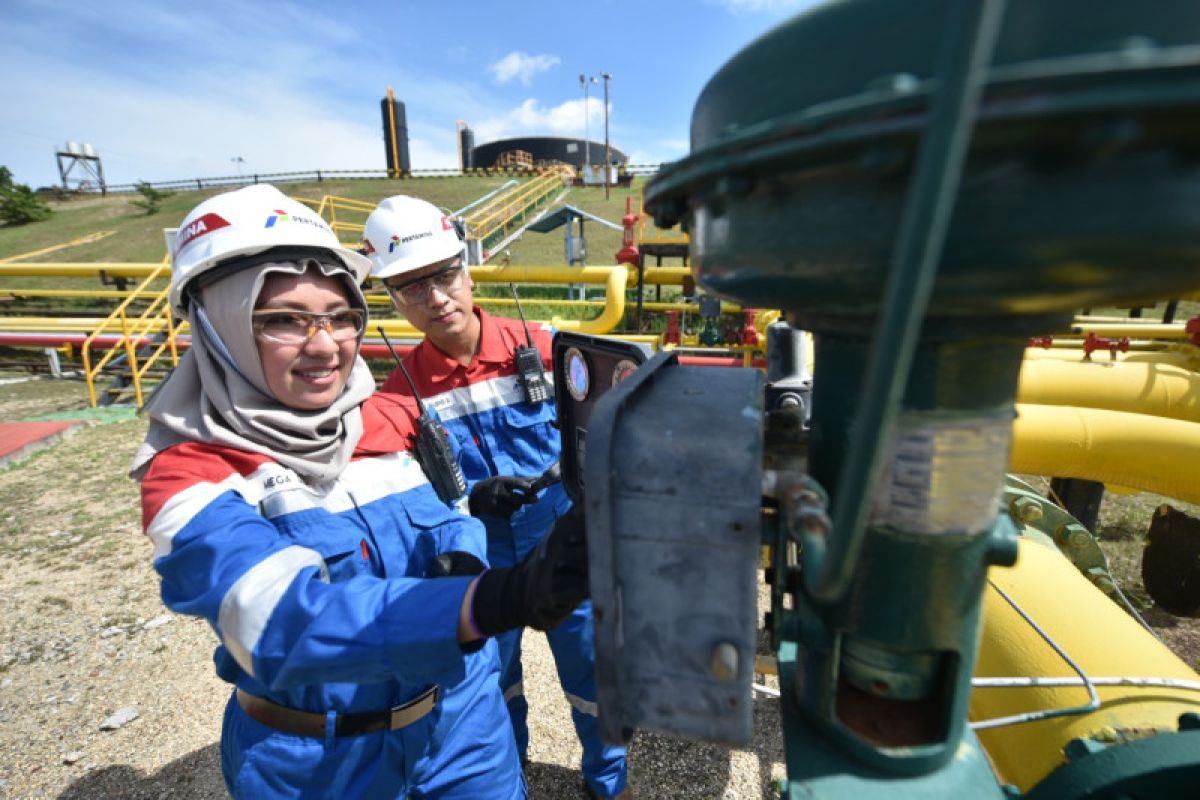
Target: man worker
x,y
466,371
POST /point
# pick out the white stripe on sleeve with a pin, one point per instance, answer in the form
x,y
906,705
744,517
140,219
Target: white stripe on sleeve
x,y
250,602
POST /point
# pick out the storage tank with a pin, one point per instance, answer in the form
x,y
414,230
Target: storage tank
x,y
466,147
549,148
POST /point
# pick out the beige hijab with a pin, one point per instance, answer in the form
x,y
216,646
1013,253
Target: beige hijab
x,y
219,394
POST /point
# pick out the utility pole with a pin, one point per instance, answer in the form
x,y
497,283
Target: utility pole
x,y
607,78
587,151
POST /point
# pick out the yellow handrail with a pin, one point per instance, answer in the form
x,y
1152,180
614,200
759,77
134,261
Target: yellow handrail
x,y
499,212
156,316
329,205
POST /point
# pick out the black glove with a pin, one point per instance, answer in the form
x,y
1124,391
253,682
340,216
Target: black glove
x,y
501,495
542,590
455,562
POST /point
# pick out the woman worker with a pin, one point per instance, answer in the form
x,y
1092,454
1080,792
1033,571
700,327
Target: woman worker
x,y
351,604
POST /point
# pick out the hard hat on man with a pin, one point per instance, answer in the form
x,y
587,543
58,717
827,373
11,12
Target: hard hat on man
x,y
404,234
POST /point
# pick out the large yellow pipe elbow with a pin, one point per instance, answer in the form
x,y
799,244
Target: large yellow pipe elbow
x,y
1137,387
614,307
1111,644
1153,454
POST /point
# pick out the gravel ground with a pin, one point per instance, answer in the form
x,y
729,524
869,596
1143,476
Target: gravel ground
x,y
105,694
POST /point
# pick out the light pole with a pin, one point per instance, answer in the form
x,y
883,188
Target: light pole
x,y
239,161
587,150
606,78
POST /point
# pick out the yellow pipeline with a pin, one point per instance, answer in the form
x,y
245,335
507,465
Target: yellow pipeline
x,y
84,294
77,269
665,276
1138,387
1134,330
395,328
1184,357
1144,452
1111,644
615,279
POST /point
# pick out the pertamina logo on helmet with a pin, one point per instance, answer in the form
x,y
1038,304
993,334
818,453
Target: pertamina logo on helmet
x,y
280,216
197,228
415,236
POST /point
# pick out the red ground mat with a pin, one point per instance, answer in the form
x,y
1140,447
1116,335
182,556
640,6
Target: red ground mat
x,y
19,439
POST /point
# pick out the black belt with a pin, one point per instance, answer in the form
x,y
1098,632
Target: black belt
x,y
308,723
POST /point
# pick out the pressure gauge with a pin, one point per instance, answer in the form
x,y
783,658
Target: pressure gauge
x,y
579,377
623,370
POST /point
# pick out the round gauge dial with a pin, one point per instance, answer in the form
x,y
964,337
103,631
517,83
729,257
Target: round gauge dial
x,y
623,370
579,377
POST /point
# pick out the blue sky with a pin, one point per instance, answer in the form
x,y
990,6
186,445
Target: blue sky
x,y
171,90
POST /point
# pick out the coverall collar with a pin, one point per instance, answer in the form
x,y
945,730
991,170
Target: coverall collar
x,y
493,349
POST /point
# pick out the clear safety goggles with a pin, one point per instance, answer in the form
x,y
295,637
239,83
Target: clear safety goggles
x,y
299,327
411,293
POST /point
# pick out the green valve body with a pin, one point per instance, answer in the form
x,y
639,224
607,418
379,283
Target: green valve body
x,y
923,185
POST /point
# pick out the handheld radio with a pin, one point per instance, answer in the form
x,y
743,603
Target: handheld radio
x,y
433,446
529,362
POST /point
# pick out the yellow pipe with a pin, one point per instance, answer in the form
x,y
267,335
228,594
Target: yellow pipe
x,y
1171,355
393,327
665,276
1153,454
1137,387
1110,644
77,269
614,308
497,273
88,294
1142,330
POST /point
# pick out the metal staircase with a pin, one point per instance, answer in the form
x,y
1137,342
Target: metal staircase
x,y
136,359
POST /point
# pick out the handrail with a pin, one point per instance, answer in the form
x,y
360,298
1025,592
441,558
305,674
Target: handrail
x,y
157,315
497,214
328,206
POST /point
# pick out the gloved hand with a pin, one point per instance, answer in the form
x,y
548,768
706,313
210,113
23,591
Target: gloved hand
x,y
501,495
455,562
543,589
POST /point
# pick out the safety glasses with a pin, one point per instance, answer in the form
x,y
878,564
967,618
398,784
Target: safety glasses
x,y
414,292
298,327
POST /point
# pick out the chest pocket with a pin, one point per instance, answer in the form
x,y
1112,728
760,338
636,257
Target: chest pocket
x,y
337,537
431,521
526,436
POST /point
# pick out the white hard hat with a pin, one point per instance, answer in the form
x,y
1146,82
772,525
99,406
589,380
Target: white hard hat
x,y
405,233
246,222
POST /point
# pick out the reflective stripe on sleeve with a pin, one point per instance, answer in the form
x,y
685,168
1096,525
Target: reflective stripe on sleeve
x,y
179,510
250,602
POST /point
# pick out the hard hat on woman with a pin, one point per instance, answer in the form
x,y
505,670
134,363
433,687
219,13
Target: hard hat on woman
x,y
233,226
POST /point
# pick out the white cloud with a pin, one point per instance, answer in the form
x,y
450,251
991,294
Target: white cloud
x,y
521,67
